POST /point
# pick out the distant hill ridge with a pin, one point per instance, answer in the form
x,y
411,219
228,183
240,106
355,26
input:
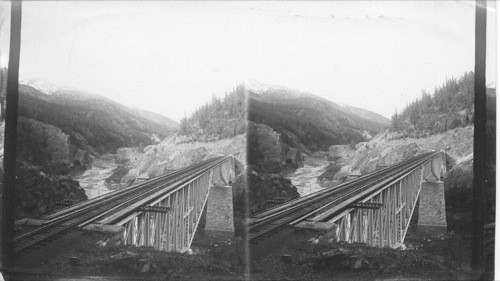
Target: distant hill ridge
x,y
259,88
306,119
89,119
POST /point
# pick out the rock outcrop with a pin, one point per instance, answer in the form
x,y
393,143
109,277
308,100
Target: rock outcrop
x,y
46,145
268,152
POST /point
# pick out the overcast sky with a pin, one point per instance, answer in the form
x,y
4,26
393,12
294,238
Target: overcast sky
x,y
169,57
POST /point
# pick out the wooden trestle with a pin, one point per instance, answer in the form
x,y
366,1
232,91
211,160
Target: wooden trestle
x,y
172,219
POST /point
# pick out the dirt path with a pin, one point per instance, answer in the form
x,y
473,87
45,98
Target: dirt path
x,y
92,180
305,178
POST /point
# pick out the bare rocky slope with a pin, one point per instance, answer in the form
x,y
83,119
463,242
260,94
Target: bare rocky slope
x,y
172,153
390,148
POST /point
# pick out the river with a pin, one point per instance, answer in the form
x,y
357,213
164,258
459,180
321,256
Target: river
x,y
92,180
305,178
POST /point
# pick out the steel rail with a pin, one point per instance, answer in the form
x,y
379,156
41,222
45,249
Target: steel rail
x,y
318,193
317,196
69,219
364,191
303,209
77,210
126,190
146,197
337,188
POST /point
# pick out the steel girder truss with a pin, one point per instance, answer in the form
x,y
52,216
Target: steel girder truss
x,y
174,230
387,226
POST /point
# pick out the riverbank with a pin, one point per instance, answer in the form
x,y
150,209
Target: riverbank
x,y
93,179
305,178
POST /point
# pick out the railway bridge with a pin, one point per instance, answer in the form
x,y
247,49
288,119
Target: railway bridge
x,y
163,212
375,209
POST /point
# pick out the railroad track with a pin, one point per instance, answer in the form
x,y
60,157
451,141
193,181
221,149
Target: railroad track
x,y
92,210
268,222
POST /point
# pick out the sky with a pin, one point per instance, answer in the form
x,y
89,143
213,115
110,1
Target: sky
x,y
170,57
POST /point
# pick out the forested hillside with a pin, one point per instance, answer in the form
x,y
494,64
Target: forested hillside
x,y
89,120
219,118
450,106
316,123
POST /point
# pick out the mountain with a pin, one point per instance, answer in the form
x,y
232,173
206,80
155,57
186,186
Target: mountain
x,y
155,117
306,119
45,87
93,123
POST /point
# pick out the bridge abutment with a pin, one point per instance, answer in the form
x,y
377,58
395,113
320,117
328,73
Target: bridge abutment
x,y
431,210
219,220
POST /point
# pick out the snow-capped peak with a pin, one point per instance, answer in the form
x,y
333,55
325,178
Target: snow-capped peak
x,y
43,86
260,88
48,88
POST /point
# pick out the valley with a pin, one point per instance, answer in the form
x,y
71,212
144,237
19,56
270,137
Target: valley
x,y
305,178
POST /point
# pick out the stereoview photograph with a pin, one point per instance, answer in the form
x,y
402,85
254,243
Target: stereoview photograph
x,y
247,140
